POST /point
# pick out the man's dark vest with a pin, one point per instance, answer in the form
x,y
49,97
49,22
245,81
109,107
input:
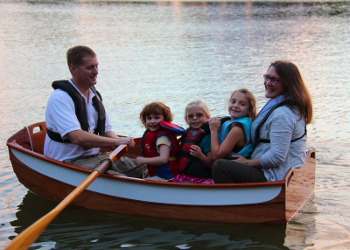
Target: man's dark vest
x,y
80,109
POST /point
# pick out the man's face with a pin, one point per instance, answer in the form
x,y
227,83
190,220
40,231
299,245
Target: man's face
x,y
86,74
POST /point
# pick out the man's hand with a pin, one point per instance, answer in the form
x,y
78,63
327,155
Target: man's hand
x,y
127,140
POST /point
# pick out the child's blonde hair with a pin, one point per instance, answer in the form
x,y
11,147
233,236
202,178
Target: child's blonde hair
x,y
251,100
156,108
198,103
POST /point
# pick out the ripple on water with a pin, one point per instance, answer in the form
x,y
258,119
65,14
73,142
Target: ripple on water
x,y
177,52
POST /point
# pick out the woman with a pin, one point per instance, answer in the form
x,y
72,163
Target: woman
x,y
278,132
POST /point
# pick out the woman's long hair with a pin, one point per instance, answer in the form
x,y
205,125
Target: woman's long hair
x,y
296,92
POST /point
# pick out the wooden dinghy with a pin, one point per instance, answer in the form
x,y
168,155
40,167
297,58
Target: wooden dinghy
x,y
269,202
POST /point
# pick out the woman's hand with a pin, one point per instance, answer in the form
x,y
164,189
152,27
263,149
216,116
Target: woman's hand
x,y
240,159
214,124
252,162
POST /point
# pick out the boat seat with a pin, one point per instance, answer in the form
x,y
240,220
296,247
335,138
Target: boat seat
x,y
36,136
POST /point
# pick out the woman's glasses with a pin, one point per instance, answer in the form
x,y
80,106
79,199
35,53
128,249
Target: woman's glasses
x,y
272,79
198,115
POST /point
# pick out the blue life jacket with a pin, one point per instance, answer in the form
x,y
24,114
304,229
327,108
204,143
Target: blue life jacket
x,y
247,124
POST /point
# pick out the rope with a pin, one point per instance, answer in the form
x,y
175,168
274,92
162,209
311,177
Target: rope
x,y
110,161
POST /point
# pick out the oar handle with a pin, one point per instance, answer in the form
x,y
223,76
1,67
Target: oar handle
x,y
28,236
114,156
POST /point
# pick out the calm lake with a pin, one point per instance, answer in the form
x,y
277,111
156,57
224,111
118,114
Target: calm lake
x,y
176,52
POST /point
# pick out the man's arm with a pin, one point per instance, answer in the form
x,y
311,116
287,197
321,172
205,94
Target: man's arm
x,y
88,140
111,134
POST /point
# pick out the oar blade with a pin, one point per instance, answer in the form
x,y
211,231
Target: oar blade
x,y
28,236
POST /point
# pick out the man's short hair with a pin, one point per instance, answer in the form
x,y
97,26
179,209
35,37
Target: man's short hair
x,y
75,55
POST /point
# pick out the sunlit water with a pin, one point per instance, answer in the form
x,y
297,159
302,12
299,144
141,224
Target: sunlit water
x,y
177,52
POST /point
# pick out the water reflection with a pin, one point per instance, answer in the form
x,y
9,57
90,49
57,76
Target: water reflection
x,y
176,52
297,238
83,228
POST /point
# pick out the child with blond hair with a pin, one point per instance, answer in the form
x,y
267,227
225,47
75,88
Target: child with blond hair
x,y
195,159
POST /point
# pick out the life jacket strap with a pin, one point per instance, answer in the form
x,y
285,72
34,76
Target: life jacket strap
x,y
56,137
268,141
172,158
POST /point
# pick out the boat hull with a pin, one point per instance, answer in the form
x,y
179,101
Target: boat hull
x,y
273,202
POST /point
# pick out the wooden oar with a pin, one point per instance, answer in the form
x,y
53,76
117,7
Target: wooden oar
x,y
28,236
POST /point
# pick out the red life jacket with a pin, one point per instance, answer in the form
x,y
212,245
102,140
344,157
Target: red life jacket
x,y
149,148
191,137
189,164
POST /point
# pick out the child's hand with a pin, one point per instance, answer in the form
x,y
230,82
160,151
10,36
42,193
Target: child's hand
x,y
214,124
196,151
139,160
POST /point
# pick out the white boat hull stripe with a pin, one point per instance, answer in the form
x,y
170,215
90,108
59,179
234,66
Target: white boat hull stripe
x,y
153,193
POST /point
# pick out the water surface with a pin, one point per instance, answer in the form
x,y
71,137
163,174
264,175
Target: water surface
x,y
176,52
